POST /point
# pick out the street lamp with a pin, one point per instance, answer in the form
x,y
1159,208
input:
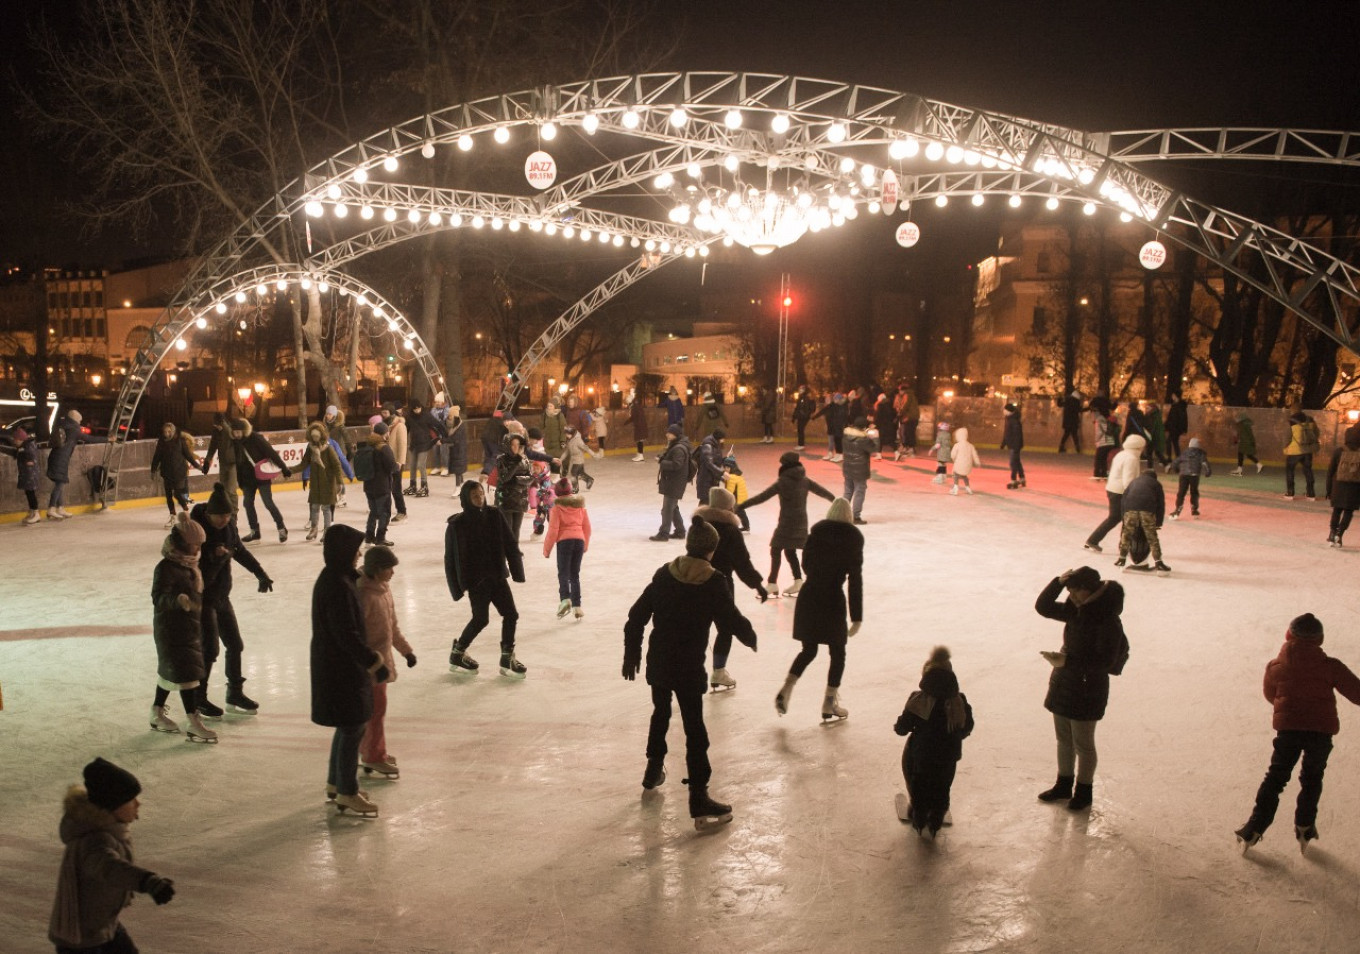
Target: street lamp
x,y
243,394
259,387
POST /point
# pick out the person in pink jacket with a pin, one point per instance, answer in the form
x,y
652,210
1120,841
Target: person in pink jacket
x,y
1300,685
384,635
569,529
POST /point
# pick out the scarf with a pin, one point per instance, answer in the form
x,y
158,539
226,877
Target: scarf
x,y
177,556
923,703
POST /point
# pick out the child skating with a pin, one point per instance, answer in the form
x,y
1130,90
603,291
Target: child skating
x,y
735,484
936,720
941,450
1013,440
383,635
965,457
1246,444
1192,464
569,532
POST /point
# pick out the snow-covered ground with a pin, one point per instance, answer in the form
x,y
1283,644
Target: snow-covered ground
x,y
519,825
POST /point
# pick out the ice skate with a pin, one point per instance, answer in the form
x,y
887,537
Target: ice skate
x,y
938,479
169,524
461,662
832,711
578,613
954,491
311,534
1247,836
967,488
240,703
1161,568
1305,834
64,513
563,608
799,447
410,491
207,709
638,458
706,812
1012,485
1175,515
794,587
510,666
781,699
902,805
897,456
283,534
251,537
357,803
655,774
399,518
838,459
331,792
1286,496
198,732
1236,472
162,722
721,681
1093,547
1260,466
424,491
1194,513
53,515
1140,567
1122,561
384,769
32,518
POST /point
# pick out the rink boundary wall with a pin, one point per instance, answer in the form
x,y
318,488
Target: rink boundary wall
x,y
1214,426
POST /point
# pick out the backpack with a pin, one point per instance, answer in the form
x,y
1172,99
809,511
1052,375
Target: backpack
x,y
1308,437
693,461
58,437
363,462
1348,466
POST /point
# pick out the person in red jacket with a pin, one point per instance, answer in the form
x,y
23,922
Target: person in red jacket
x,y
569,531
1301,684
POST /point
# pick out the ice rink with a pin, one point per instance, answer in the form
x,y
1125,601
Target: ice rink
x,y
519,823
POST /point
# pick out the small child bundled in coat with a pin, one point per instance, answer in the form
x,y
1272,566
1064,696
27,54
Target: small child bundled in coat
x,y
600,424
1300,684
383,634
574,459
965,458
98,877
569,531
936,720
1192,464
941,450
735,484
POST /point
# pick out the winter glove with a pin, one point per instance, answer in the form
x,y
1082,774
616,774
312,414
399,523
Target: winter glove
x,y
160,889
184,602
410,660
854,628
632,662
286,472
266,585
763,593
304,485
381,674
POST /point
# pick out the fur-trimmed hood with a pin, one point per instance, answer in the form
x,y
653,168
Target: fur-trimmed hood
x,y
570,500
80,816
715,515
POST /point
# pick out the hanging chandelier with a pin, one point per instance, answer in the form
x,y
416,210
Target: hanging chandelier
x,y
762,219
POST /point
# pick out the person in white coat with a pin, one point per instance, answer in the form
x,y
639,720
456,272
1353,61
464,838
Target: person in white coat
x,y
1125,467
965,457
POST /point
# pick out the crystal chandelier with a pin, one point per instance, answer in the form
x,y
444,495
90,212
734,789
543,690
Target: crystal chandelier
x,y
761,220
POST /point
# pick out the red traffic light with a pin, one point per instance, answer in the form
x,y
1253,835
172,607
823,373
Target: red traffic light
x,y
788,301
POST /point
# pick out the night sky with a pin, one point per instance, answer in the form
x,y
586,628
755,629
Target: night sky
x,y
1093,65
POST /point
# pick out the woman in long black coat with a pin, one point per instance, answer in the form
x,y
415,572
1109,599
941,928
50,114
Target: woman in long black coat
x,y
343,667
1079,688
791,530
177,595
1342,491
834,555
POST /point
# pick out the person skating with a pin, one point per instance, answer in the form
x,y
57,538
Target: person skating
x,y
1343,484
383,634
682,602
334,421
171,461
1192,464
885,422
908,411
514,474
456,444
221,546
941,449
964,457
734,482
672,477
1126,466
1013,440
711,417
1093,648
1301,685
1177,422
1303,444
322,476
343,667
569,532
791,527
1107,440
1071,422
837,414
177,596
492,435
1142,510
399,440
424,432
935,720
768,406
730,558
803,409
710,472
1246,444
66,437
222,445
252,448
479,554
834,558
860,443
98,877
574,457
637,416
675,408
25,454
376,465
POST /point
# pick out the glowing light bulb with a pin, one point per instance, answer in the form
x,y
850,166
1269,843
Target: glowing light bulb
x,y
361,174
332,191
435,218
427,150
934,151
731,163
1088,208
315,209
590,122
780,123
502,134
663,181
836,133
389,214
953,154
631,119
1013,202
465,142
202,322
679,117
1052,203
942,200
733,119
548,131
413,216
220,308
240,297
366,212
390,164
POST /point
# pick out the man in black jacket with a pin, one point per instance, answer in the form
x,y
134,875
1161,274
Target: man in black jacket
x,y
378,484
479,553
733,561
223,545
672,477
685,598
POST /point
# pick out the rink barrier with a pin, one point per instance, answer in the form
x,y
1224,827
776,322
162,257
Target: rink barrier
x,y
1214,426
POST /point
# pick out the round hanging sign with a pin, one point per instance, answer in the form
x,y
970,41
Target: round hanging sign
x,y
908,234
889,192
540,169
1152,255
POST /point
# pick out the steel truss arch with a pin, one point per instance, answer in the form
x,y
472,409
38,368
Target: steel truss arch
x,y
252,286
1330,147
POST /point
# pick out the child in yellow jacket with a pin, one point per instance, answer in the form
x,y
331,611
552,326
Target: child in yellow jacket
x,y
735,484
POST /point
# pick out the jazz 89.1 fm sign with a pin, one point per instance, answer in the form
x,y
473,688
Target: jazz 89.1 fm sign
x,y
540,169
1152,255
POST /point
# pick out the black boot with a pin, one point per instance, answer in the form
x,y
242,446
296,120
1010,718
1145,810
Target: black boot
x,y
1081,797
701,806
655,774
1060,790
238,701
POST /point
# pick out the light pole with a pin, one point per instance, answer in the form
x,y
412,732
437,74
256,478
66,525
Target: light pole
x,y
785,300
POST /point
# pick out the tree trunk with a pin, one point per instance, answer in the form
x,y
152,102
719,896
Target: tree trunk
x,y
1071,324
1178,335
300,350
449,312
1104,323
1148,334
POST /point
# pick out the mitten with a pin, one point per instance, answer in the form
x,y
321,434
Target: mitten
x,y
410,660
160,889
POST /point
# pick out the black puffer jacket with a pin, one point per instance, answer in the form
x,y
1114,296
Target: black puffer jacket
x,y
343,666
215,566
513,475
683,601
479,547
672,474
1092,641
59,458
251,448
1146,493
926,719
834,556
731,559
172,458
179,639
425,430
710,466
792,486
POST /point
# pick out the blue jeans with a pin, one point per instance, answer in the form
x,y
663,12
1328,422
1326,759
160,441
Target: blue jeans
x,y
854,492
569,554
343,772
379,514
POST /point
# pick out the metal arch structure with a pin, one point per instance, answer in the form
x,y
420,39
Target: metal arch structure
x,y
254,287
759,125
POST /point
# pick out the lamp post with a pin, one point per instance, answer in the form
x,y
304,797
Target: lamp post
x,y
781,372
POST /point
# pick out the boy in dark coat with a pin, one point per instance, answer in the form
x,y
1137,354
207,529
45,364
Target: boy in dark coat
x,y
730,559
1144,508
479,553
171,460
936,719
1192,464
98,877
343,667
672,477
1013,440
1300,684
378,487
710,463
685,598
1343,484
1093,648
222,545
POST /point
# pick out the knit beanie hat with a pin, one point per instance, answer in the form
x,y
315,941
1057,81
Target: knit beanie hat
x,y
719,434
378,559
702,539
109,786
332,410
380,428
840,511
861,422
188,536
1010,408
939,659
1306,626
720,498
675,429
562,488
218,501
789,459
375,419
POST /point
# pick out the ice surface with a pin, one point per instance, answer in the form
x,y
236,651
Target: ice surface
x,y
519,822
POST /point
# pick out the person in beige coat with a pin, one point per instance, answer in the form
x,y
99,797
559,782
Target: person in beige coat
x,y
383,635
397,439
